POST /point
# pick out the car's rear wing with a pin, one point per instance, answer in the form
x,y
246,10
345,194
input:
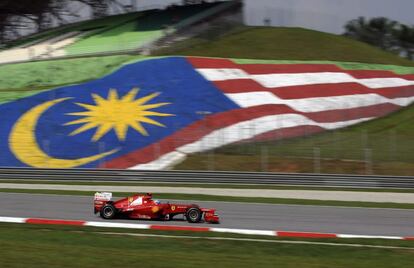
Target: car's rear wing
x,y
104,196
100,199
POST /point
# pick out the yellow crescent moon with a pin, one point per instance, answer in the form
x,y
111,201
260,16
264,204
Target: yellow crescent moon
x,y
23,144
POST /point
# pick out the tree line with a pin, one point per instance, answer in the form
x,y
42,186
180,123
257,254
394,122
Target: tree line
x,y
18,15
384,33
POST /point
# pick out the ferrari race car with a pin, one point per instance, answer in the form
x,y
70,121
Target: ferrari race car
x,y
142,206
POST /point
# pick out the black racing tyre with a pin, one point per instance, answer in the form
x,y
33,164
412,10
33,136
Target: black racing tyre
x,y
193,215
108,211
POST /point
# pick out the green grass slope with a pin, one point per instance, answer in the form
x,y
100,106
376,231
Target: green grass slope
x,y
25,79
283,44
123,37
145,27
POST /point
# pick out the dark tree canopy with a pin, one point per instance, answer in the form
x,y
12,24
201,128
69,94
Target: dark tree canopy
x,y
19,14
382,32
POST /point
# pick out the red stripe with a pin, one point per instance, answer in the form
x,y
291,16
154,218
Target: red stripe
x,y
54,222
317,68
288,68
210,123
312,91
409,238
211,63
239,86
305,235
267,68
363,74
179,228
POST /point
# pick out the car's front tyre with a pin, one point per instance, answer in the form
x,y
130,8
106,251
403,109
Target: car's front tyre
x,y
193,215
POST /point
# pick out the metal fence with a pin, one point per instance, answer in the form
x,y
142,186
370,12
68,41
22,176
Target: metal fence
x,y
355,150
246,178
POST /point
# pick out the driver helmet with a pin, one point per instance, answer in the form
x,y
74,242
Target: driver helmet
x,y
157,202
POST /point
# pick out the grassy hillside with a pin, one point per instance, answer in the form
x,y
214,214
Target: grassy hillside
x,y
146,27
119,32
25,79
123,37
283,44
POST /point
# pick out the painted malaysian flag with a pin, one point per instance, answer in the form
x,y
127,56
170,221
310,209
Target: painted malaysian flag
x,y
153,113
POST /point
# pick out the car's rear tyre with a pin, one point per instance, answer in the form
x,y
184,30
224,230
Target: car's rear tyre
x,y
108,211
193,215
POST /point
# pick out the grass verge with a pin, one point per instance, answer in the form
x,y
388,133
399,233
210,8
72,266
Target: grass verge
x,y
217,198
83,247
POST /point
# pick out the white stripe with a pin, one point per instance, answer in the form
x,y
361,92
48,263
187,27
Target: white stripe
x,y
13,219
223,74
298,79
369,236
385,82
286,80
319,104
117,225
243,231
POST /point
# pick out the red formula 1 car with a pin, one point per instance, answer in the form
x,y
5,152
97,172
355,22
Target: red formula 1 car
x,y
142,206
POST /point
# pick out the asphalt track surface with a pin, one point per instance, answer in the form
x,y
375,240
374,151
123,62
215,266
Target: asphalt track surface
x,y
363,221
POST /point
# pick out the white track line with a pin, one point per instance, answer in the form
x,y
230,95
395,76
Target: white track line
x,y
256,240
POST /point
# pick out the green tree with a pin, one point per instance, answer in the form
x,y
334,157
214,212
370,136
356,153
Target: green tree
x,y
405,36
378,31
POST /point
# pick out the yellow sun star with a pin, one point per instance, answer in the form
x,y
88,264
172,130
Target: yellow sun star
x,y
118,114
